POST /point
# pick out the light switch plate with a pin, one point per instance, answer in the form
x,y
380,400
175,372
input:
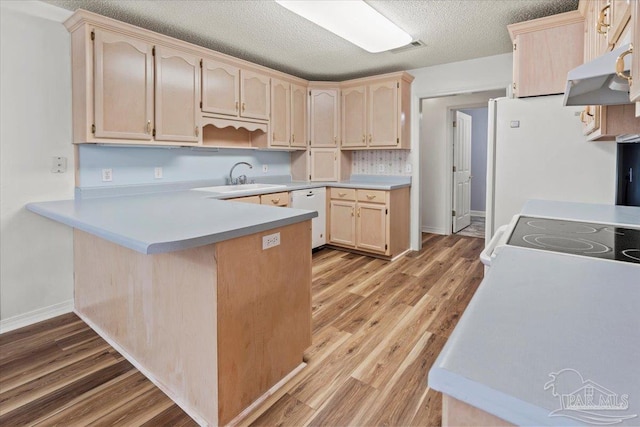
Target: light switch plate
x,y
265,168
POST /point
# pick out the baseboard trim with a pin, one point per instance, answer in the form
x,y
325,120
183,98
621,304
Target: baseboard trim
x,y
35,316
433,230
482,214
177,400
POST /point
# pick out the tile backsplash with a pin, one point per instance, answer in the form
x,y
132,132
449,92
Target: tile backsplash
x,y
381,162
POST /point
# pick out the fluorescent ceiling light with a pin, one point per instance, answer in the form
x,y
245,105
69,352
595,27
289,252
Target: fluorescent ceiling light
x,y
353,20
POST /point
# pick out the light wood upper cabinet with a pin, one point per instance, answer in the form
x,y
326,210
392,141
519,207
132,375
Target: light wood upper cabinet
x,y
540,61
324,164
354,117
177,96
619,13
220,88
376,112
280,113
230,91
383,114
254,95
288,114
298,116
324,119
634,93
123,100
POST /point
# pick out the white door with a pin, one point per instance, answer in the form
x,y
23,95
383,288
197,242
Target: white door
x,y
461,172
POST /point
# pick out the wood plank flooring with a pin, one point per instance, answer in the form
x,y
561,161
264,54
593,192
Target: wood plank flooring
x,y
377,329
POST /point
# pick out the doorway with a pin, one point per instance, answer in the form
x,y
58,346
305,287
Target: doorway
x,y
469,171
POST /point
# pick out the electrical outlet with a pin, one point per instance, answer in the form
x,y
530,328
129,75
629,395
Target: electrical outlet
x,y
107,175
157,173
407,168
380,167
58,165
265,168
270,241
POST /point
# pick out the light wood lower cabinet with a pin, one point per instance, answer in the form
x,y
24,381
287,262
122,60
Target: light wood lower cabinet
x,y
369,220
247,199
275,199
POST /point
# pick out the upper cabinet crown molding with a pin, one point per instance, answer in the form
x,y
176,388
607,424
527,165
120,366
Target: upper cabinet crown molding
x,y
540,24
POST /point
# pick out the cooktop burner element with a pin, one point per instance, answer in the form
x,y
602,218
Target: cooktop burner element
x,y
577,238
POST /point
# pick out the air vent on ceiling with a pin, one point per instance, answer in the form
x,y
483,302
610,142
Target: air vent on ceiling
x,y
413,45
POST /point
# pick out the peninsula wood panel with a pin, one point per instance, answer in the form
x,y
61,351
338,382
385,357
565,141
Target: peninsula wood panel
x,y
264,314
123,70
160,309
177,96
458,413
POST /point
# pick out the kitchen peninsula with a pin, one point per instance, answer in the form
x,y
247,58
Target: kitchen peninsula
x,y
180,284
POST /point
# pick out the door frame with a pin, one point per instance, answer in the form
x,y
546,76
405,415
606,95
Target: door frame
x,y
451,114
454,114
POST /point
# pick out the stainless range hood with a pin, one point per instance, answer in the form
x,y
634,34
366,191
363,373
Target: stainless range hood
x,y
596,82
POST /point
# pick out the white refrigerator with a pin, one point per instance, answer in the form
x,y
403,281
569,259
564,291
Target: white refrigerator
x,y
536,150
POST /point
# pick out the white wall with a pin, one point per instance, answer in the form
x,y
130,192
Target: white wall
x,y
492,72
36,254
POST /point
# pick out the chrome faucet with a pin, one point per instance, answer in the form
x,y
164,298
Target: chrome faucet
x,y
243,178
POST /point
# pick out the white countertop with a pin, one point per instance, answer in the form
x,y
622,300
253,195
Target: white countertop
x,y
539,312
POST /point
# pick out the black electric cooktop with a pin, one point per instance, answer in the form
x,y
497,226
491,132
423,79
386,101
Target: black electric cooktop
x,y
577,238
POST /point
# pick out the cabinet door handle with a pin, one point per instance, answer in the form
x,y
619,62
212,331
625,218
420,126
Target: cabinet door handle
x,y
352,211
237,105
358,212
243,107
371,196
335,139
370,138
342,194
620,64
274,136
364,138
293,137
275,201
197,131
148,126
601,24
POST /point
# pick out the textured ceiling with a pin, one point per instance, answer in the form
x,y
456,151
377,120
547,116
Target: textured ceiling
x,y
263,32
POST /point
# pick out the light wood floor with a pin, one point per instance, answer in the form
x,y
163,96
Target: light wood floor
x,y
378,327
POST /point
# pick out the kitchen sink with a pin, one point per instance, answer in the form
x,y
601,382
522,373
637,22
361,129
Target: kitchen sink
x,y
239,188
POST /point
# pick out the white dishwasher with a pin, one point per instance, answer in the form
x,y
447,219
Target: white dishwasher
x,y
314,199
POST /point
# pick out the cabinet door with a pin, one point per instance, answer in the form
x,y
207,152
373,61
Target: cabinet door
x,y
634,92
324,118
371,223
177,96
220,88
354,117
342,223
298,116
123,71
619,14
254,95
324,164
280,113
383,114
